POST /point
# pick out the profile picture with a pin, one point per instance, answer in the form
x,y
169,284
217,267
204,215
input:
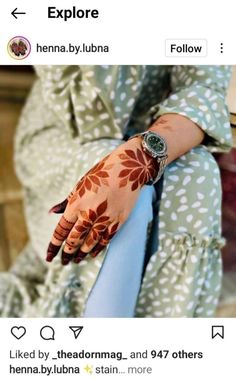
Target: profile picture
x,y
19,47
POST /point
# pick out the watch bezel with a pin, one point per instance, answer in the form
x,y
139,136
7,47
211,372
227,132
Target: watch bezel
x,y
149,149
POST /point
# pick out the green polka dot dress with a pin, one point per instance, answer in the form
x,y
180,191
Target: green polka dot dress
x,y
75,115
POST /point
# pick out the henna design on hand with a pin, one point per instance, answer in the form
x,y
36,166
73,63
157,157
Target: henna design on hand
x,y
139,169
105,239
161,122
61,232
93,179
88,231
107,236
89,228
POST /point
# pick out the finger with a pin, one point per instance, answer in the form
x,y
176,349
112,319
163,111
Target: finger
x,y
102,243
59,208
66,258
61,232
52,252
77,235
105,239
93,237
98,249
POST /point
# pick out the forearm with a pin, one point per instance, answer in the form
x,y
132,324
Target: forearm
x,y
181,134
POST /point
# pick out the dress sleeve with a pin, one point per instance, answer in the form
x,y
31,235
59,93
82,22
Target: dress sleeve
x,y
198,92
72,94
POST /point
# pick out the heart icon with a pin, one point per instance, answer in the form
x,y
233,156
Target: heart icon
x,y
18,331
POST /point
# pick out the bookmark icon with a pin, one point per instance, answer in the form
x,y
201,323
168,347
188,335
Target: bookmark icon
x,y
76,330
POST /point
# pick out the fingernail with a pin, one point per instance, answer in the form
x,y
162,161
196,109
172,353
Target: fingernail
x,y
66,258
79,256
77,260
97,250
59,208
52,252
94,253
50,257
65,261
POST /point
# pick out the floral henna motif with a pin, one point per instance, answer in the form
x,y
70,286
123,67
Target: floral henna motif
x,y
138,170
94,228
93,179
107,236
92,221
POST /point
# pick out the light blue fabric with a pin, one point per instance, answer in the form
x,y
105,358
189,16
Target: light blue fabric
x,y
116,289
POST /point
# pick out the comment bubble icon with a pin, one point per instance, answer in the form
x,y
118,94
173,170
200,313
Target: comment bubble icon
x,y
47,333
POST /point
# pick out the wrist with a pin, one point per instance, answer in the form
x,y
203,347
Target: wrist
x,y
175,128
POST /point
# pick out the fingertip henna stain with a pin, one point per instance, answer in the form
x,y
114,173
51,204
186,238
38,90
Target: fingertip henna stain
x,y
79,256
52,252
66,258
50,257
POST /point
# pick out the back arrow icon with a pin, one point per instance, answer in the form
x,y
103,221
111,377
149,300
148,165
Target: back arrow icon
x,y
14,13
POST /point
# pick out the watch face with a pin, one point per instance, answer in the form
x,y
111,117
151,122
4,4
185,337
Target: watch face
x,y
155,144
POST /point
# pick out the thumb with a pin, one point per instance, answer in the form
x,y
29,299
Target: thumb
x,y
59,208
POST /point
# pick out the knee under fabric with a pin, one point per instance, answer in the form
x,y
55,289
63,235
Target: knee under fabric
x,y
116,289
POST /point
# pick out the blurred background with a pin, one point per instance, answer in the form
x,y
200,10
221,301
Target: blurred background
x,y
15,84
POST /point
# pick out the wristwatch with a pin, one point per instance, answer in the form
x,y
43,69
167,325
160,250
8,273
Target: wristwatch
x,y
155,146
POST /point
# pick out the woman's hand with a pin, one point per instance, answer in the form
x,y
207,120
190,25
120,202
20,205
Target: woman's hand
x,y
101,202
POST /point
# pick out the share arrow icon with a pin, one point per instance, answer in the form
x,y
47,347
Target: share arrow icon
x,y
76,330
